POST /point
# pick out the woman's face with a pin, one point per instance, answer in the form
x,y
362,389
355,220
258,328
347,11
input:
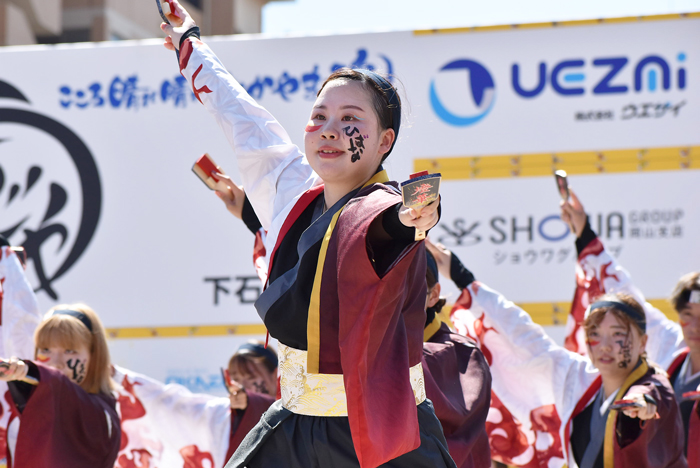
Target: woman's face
x,y
614,350
259,380
73,362
689,319
343,141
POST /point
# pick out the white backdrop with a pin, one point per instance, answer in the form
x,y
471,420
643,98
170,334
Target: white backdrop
x,y
145,234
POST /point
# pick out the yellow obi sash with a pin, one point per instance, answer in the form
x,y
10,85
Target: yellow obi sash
x,y
322,394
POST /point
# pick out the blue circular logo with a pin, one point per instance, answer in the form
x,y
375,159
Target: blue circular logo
x,y
483,94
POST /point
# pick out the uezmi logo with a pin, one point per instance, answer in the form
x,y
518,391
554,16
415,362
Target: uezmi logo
x,y
571,77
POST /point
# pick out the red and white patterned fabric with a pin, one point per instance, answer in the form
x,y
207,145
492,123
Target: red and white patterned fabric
x,y
597,273
19,317
162,425
169,426
274,171
536,383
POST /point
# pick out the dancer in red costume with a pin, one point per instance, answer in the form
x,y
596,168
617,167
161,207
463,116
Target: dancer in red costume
x,y
457,377
346,288
71,409
674,346
457,380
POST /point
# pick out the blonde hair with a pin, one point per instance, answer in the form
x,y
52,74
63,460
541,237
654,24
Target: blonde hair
x,y
66,331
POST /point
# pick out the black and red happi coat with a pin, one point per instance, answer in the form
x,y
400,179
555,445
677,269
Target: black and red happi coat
x,y
63,426
458,382
370,320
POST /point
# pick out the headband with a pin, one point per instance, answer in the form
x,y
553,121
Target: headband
x,y
258,350
627,309
392,97
74,313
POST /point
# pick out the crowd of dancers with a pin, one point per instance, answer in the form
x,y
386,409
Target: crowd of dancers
x,y
367,372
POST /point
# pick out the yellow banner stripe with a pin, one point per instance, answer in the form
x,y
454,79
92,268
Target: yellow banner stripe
x,y
673,158
186,331
543,313
556,313
553,24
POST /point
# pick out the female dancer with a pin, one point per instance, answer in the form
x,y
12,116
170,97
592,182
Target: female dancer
x,y
457,377
346,288
536,379
674,346
253,370
69,407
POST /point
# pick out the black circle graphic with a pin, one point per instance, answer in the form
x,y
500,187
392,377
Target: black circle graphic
x,y
87,171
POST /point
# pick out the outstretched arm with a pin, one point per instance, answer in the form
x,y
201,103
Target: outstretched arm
x,y
597,273
273,169
529,369
20,309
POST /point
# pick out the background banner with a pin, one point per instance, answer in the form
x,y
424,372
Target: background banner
x,y
97,142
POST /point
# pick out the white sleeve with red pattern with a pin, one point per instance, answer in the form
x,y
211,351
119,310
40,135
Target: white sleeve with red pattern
x,y
18,306
529,369
273,170
597,273
665,340
165,425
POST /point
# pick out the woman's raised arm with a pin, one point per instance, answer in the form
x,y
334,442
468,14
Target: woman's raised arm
x,y
273,170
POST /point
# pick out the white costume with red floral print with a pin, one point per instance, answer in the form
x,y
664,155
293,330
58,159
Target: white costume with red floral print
x,y
19,317
167,425
597,273
19,312
274,171
539,382
162,425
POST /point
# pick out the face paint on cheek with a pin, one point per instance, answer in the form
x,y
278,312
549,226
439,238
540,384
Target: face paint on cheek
x,y
78,368
592,343
683,323
42,358
357,144
625,352
310,128
260,387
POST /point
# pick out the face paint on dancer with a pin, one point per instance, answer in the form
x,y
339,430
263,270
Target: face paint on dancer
x,y
357,143
340,152
625,352
310,127
613,346
41,357
73,363
79,370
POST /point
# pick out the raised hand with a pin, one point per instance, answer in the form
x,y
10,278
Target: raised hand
x,y
573,214
180,23
443,257
231,194
422,220
237,395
